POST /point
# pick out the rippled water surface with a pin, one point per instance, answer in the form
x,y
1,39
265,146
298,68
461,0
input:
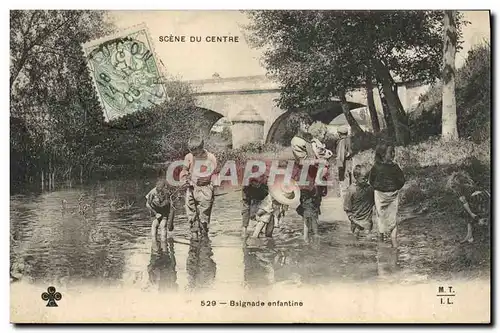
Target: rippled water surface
x,y
110,244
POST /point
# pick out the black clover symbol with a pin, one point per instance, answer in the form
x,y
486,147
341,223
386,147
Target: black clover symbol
x,y
51,296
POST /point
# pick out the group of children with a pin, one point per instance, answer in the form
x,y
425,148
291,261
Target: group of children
x,y
263,201
374,195
199,194
269,200
369,194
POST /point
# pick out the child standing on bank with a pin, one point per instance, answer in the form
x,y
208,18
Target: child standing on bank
x,y
476,202
199,166
387,179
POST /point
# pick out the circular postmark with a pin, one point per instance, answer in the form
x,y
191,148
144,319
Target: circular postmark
x,y
126,74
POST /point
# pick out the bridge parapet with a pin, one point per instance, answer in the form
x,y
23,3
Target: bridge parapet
x,y
254,84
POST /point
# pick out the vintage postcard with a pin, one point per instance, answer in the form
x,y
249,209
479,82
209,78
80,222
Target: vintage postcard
x,y
250,166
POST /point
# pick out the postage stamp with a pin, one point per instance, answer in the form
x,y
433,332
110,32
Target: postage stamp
x,y
125,72
290,167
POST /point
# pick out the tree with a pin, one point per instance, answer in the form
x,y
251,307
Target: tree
x,y
156,134
449,113
51,90
320,55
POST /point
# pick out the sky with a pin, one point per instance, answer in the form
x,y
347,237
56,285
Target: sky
x,y
193,61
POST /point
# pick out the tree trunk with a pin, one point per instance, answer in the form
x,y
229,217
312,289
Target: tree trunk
x,y
70,172
53,180
355,128
81,174
371,106
387,115
449,131
400,121
49,174
43,180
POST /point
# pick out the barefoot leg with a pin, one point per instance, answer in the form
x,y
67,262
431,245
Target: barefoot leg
x,y
258,228
468,238
154,228
314,226
163,229
270,227
306,230
394,237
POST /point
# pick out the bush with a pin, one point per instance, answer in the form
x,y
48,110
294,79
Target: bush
x,y
413,192
434,152
427,166
473,95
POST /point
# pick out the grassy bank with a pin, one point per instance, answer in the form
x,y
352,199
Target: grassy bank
x,y
428,164
431,216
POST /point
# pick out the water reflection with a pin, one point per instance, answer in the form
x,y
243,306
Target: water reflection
x,y
162,265
200,266
52,241
387,261
266,264
259,265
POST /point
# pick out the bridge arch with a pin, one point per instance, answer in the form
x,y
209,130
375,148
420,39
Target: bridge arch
x,y
324,112
204,119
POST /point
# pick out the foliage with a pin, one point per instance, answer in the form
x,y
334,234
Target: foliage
x,y
49,94
57,122
156,134
473,96
433,152
427,166
318,55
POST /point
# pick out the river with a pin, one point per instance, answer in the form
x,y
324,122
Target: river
x,y
110,245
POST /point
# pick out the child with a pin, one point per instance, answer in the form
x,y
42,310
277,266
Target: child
x,y
311,194
320,150
359,201
271,207
158,201
251,197
386,178
476,203
344,159
200,188
255,195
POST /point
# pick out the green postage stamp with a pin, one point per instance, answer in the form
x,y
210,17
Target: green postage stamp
x,y
125,72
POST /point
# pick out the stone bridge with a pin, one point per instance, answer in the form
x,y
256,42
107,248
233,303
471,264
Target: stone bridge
x,y
249,102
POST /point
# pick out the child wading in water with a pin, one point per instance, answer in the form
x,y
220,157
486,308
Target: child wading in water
x,y
158,201
270,209
476,202
386,178
359,201
199,186
310,194
269,213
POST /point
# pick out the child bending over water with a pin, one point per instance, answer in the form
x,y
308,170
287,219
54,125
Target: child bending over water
x,y
158,201
475,201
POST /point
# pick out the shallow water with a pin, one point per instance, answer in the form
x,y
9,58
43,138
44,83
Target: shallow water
x,y
111,245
